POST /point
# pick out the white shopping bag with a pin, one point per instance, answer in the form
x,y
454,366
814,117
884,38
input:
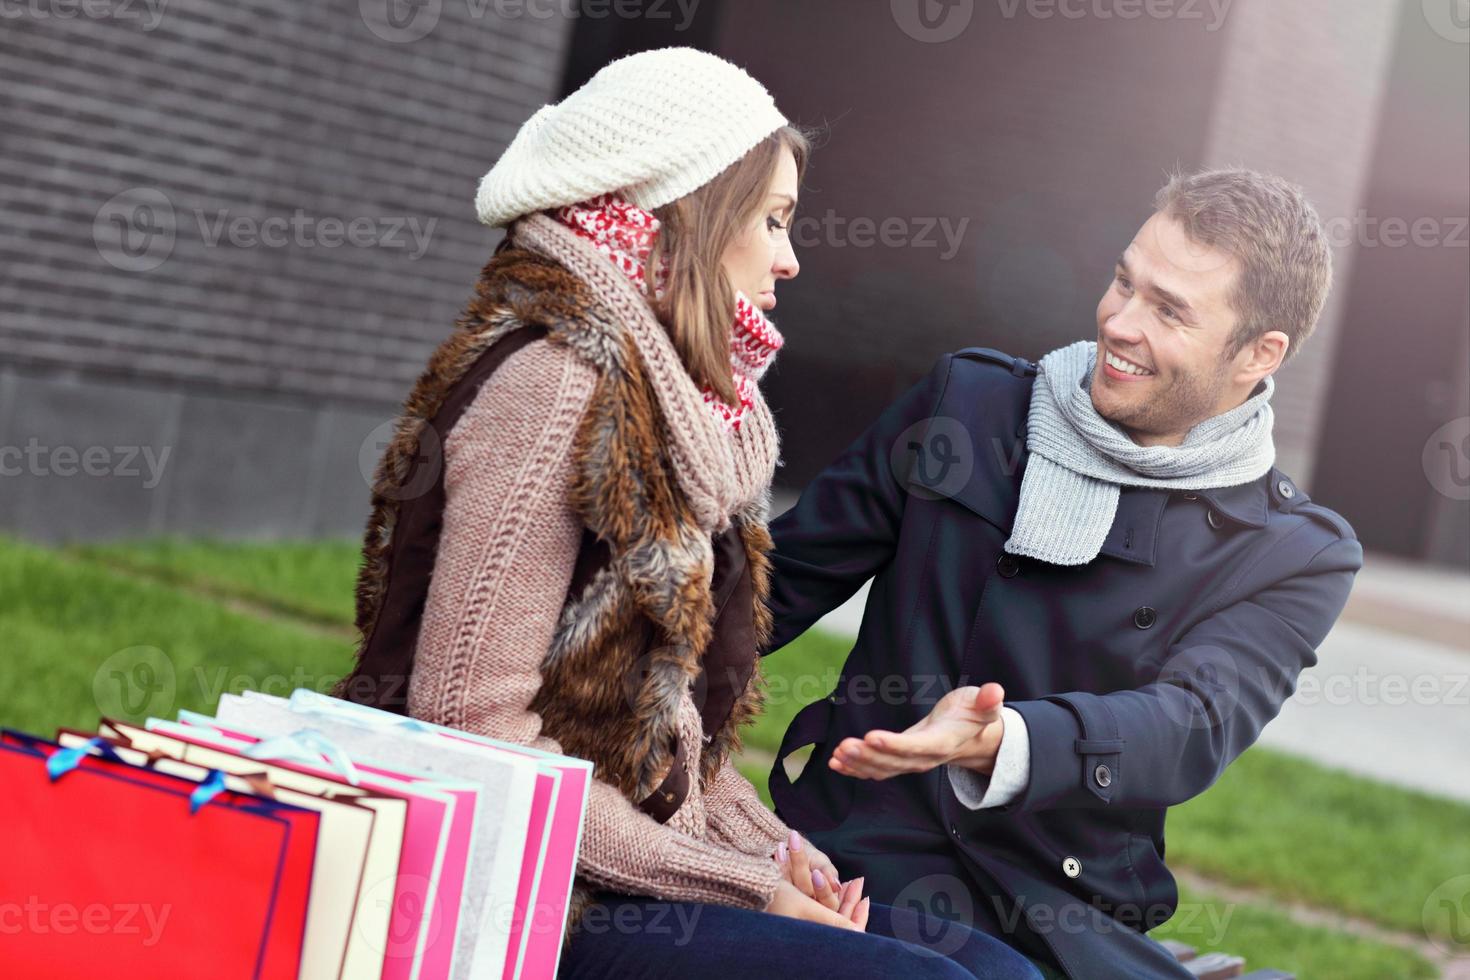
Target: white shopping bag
x,y
501,823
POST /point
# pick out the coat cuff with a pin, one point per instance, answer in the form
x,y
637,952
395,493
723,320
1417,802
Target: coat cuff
x,y
1076,754
1008,778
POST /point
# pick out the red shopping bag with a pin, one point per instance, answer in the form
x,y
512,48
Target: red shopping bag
x,y
113,870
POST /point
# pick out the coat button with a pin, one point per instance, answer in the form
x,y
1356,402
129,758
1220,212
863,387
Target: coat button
x,y
954,828
1215,520
1144,617
1007,565
1286,489
1191,496
1071,867
1103,776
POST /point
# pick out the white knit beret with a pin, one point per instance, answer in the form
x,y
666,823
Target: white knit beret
x,y
652,126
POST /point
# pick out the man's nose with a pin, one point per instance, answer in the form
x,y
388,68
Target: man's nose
x,y
1125,325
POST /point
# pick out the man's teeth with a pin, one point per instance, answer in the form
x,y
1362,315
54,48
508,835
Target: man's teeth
x,y
1124,366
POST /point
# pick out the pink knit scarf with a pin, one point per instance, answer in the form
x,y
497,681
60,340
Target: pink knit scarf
x,y
626,234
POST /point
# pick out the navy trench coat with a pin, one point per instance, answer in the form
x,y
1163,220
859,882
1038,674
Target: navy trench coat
x,y
1140,675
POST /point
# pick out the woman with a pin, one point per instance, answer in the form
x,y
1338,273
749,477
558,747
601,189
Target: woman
x,y
586,571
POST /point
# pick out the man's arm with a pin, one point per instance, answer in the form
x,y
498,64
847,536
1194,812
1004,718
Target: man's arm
x,y
1168,741
1153,746
844,528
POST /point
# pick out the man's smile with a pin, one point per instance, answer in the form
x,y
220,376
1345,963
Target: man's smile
x,y
1118,369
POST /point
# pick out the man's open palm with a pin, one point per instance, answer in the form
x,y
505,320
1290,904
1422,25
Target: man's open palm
x,y
965,727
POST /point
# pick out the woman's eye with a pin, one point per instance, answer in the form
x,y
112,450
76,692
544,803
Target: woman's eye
x,y
773,225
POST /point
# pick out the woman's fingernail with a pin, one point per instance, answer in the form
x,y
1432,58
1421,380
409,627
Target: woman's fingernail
x,y
858,884
795,842
781,852
819,880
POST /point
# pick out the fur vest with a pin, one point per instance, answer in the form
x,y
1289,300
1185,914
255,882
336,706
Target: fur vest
x,y
665,584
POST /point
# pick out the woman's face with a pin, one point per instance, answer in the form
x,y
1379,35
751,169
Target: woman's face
x,y
762,252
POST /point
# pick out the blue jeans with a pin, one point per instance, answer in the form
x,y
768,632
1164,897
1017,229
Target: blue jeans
x,y
631,938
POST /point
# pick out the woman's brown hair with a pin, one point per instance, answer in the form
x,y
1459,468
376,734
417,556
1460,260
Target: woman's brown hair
x,y
699,305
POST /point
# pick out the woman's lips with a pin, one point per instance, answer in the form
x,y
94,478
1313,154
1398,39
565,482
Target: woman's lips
x,y
767,300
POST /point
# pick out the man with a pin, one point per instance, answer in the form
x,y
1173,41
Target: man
x,y
1091,591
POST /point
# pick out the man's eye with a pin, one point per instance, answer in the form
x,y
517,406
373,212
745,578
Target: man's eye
x,y
1168,312
1123,282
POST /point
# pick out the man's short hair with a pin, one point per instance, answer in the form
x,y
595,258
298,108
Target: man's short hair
x,y
1269,227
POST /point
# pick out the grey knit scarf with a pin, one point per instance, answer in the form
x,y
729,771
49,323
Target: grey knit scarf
x,y
1079,460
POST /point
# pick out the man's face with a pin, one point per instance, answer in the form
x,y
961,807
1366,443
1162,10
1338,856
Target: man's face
x,y
1167,310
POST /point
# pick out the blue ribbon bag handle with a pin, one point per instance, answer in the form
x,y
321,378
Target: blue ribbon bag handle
x,y
63,761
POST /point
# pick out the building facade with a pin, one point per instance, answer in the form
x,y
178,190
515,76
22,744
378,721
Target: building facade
x,y
182,273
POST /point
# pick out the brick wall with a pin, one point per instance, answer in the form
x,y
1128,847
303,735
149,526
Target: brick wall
x,y
227,111
169,186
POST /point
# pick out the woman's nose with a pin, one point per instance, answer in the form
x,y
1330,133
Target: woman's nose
x,y
786,266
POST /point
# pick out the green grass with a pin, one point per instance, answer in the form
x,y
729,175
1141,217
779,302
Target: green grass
x,y
310,579
1323,837
81,639
1265,938
132,629
796,675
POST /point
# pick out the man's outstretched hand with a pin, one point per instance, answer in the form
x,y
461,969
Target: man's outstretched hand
x,y
965,728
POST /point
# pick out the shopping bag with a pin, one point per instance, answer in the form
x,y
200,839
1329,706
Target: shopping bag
x,y
562,791
135,874
361,837
426,894
502,819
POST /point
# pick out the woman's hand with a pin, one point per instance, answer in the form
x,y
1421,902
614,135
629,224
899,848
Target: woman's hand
x,y
812,873
790,902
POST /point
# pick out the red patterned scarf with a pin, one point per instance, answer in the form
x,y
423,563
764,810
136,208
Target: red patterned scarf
x,y
626,234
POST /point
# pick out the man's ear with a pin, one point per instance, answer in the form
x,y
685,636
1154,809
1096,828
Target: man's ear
x,y
1264,356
